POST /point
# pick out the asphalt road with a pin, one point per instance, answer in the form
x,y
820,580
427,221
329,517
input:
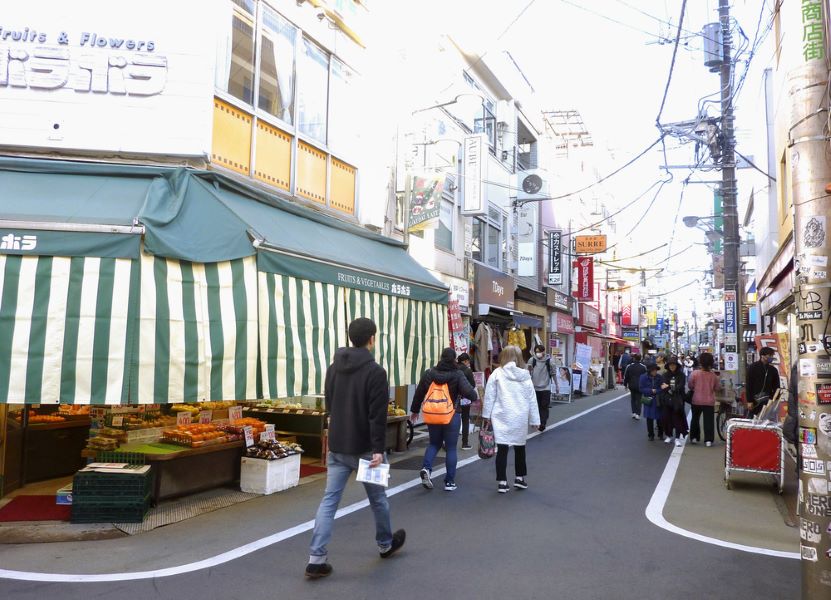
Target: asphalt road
x,y
578,532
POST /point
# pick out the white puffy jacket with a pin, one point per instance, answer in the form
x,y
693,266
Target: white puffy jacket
x,y
511,404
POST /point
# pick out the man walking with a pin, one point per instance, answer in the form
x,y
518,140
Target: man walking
x,y
762,381
542,375
631,379
356,393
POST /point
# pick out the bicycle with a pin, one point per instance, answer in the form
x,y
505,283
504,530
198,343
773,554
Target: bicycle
x,y
734,410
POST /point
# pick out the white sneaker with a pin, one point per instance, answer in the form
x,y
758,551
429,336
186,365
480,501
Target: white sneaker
x,y
634,416
708,444
679,442
637,417
667,440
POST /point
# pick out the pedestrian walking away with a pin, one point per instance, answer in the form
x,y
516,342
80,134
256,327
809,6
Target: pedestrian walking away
x,y
703,384
672,403
444,384
542,376
464,366
356,393
511,406
632,380
650,387
762,381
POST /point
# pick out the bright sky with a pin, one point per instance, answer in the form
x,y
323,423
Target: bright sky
x,y
609,59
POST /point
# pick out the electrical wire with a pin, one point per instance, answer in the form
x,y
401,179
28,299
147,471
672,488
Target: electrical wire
x,y
665,22
646,212
686,285
672,63
752,164
608,18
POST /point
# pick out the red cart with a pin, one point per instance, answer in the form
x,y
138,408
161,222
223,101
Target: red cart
x,y
754,447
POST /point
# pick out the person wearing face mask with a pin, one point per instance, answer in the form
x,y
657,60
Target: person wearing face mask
x,y
542,374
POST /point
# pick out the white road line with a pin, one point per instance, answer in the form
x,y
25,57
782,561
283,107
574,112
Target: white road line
x,y
241,551
655,513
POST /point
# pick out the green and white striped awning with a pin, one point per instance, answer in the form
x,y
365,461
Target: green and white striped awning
x,y
65,329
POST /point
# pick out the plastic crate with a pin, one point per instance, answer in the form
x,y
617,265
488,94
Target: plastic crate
x,y
109,510
131,458
91,484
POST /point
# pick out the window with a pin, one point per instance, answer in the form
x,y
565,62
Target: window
x,y
488,242
277,47
344,128
235,53
312,91
444,233
493,247
486,123
476,241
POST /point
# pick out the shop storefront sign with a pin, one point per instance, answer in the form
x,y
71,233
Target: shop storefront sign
x,y
555,257
562,323
473,162
585,279
590,244
456,326
630,333
425,202
64,73
494,288
559,300
589,317
459,289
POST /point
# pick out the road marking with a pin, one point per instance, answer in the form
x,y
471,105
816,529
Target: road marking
x,y
655,513
245,549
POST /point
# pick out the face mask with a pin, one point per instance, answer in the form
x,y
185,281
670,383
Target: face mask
x,y
540,354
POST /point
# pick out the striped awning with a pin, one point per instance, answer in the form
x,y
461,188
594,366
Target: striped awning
x,y
65,329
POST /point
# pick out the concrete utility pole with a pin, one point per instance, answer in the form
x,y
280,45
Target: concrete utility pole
x,y
810,176
729,191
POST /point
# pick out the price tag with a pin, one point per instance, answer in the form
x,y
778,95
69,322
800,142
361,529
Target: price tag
x,y
264,436
205,417
118,421
249,435
183,418
234,413
269,433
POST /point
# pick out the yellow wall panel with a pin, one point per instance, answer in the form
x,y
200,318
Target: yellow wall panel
x,y
311,173
231,144
343,187
273,159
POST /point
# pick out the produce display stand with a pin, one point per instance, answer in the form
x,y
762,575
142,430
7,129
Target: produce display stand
x,y
307,425
754,447
179,471
397,433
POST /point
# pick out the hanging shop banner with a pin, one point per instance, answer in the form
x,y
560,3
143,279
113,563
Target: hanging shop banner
x,y
626,315
527,216
456,326
630,333
425,202
589,317
590,244
585,279
555,257
473,192
730,317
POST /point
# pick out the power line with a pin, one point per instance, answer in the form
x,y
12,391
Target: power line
x,y
752,164
646,212
686,285
608,18
672,63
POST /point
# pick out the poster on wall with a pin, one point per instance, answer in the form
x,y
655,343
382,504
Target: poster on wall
x,y
583,360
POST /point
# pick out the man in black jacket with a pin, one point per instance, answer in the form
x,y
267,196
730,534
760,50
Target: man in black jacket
x,y
463,360
762,381
356,393
631,379
446,371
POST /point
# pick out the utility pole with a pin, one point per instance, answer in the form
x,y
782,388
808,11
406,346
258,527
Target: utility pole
x,y
810,178
732,288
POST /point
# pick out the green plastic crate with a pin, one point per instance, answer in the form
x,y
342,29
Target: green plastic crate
x,y
91,484
109,510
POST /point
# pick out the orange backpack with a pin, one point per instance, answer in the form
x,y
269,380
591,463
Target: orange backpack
x,y
438,405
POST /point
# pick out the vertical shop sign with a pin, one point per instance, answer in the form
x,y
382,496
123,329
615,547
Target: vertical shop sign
x,y
555,257
473,197
425,202
585,279
456,326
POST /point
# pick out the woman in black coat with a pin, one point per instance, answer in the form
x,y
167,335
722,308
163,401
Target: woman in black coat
x,y
464,366
672,403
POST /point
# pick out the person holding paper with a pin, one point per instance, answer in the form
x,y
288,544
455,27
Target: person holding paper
x,y
356,393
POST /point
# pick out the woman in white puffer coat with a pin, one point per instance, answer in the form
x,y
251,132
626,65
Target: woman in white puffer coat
x,y
511,407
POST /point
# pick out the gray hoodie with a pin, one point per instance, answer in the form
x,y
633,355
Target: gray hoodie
x,y
542,372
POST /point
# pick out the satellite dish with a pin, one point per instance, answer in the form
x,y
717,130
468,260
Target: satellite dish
x,y
532,184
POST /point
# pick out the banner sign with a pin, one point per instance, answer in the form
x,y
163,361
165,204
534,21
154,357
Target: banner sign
x,y
583,359
590,244
555,257
473,162
425,202
626,315
630,333
585,279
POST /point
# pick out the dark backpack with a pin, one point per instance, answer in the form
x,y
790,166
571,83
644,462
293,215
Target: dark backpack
x,y
547,364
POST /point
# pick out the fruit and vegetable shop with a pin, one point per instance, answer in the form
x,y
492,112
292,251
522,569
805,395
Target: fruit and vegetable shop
x,y
166,331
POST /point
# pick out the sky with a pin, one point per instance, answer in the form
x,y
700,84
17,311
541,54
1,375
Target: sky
x,y
609,59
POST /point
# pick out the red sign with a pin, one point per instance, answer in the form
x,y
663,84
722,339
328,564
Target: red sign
x,y
562,323
824,393
585,278
626,315
589,316
456,326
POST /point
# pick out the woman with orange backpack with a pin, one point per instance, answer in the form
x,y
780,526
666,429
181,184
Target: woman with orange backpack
x,y
437,398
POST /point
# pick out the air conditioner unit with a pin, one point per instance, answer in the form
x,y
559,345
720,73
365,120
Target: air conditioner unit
x,y
532,185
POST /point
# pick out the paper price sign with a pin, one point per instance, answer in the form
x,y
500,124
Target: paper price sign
x,y
270,433
183,418
118,421
234,413
205,417
249,435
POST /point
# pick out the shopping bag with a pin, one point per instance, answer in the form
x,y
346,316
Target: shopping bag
x,y
487,442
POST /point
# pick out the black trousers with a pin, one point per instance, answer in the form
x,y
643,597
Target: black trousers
x,y
635,400
543,402
520,469
465,411
709,422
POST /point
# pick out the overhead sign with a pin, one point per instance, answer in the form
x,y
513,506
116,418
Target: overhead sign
x,y
527,238
555,257
473,162
630,333
425,202
585,279
494,288
102,80
590,244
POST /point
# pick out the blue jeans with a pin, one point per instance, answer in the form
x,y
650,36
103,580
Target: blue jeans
x,y
339,468
449,436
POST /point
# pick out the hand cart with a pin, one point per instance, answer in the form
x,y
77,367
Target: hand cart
x,y
754,447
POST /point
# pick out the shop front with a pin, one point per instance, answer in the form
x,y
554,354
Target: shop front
x,y
560,326
776,299
493,317
531,320
164,311
588,334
